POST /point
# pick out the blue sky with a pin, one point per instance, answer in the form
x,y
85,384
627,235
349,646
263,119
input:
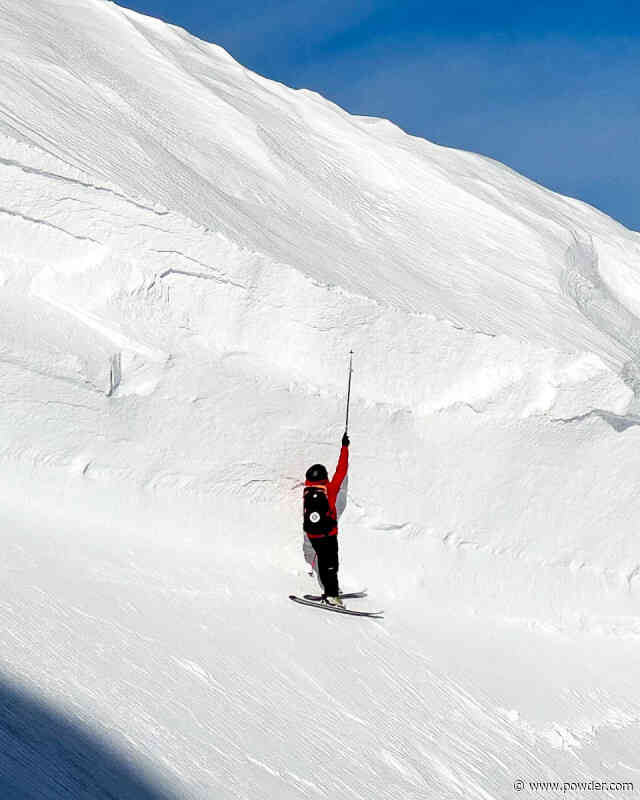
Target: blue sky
x,y
550,88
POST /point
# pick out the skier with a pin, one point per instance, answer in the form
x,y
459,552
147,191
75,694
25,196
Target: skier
x,y
321,523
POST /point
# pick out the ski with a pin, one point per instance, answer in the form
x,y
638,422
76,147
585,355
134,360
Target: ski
x,y
337,609
344,595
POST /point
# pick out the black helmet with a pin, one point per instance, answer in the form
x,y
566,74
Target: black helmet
x,y
318,472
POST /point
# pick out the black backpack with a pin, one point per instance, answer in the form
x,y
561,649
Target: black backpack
x,y
317,514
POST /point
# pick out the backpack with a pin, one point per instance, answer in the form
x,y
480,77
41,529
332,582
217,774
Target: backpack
x,y
317,514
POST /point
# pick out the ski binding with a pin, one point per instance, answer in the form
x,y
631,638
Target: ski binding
x,y
343,596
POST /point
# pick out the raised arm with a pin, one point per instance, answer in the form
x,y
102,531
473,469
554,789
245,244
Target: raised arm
x,y
342,467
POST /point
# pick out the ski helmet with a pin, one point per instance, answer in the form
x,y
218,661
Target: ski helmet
x,y
318,472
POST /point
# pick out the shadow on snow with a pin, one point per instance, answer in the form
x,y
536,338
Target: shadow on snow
x,y
44,754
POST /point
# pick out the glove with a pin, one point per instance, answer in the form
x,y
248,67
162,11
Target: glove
x,y
345,440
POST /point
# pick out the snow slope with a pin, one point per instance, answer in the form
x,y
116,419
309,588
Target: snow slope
x,y
232,239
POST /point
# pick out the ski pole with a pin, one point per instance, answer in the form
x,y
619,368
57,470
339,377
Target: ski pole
x,y
346,424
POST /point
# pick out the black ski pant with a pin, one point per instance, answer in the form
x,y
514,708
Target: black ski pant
x,y
326,549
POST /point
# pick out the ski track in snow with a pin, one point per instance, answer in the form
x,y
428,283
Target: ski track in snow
x,y
232,240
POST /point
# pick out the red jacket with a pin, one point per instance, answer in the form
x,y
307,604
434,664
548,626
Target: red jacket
x,y
333,487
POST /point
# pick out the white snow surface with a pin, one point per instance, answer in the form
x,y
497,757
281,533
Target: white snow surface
x,y
233,239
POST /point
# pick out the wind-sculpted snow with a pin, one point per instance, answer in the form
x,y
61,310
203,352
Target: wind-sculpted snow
x,y
292,176
232,239
108,258
106,261
597,301
202,324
